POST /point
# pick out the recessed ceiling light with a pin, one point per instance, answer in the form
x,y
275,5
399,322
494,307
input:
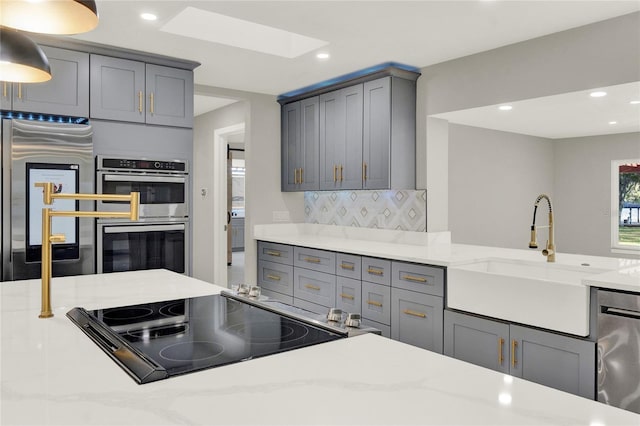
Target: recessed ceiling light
x,y
148,16
634,102
613,122
505,107
597,94
322,55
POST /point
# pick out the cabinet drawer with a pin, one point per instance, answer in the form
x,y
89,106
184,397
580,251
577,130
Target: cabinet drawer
x,y
349,294
417,319
385,329
273,295
311,307
313,286
376,270
316,260
376,300
420,278
349,265
274,252
275,277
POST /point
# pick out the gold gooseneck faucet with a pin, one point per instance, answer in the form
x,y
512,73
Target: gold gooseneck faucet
x,y
47,238
550,251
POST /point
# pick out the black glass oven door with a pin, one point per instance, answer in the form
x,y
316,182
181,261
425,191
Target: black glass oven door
x,y
152,189
140,247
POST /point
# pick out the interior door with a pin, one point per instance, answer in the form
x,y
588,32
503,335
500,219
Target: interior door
x,y
229,194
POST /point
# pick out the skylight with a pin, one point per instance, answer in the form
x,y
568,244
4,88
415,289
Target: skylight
x,y
217,28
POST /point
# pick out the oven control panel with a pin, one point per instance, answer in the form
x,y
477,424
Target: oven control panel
x,y
141,164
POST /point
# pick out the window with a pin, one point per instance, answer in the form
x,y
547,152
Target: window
x,y
625,204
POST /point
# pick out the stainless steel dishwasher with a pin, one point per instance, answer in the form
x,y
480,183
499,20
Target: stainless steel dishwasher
x,y
619,349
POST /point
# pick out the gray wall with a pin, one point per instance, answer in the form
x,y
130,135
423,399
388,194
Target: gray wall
x,y
583,190
494,179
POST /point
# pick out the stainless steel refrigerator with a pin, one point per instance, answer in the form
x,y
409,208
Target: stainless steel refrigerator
x,y
35,151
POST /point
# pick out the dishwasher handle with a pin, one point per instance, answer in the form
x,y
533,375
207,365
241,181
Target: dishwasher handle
x,y
626,313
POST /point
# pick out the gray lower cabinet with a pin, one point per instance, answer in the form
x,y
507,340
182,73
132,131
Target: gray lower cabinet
x,y
67,93
376,302
555,360
237,233
275,277
133,91
349,294
315,287
416,319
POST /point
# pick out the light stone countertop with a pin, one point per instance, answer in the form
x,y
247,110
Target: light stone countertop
x,y
437,249
52,374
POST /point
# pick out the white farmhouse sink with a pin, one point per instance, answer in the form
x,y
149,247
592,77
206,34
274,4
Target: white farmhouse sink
x,y
541,294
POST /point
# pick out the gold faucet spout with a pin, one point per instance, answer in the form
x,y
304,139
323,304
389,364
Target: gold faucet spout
x,y
48,238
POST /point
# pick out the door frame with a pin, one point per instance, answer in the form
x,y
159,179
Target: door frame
x,y
220,227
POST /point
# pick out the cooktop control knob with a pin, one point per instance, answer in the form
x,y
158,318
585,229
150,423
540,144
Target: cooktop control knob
x,y
243,289
254,291
335,314
353,320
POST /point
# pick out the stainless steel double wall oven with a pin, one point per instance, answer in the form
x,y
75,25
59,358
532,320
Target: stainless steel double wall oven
x,y
161,238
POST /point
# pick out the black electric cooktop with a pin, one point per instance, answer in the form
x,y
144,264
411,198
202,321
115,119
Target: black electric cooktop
x,y
154,341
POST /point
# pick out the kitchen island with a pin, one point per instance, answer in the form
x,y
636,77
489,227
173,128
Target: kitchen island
x,y
53,374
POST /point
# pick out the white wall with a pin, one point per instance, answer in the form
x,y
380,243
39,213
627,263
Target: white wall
x,y
494,179
583,190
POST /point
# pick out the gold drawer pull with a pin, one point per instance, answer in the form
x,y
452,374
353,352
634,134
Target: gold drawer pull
x,y
312,259
347,266
514,345
273,253
347,296
273,277
312,287
416,279
341,178
500,346
334,172
375,271
374,303
414,313
140,101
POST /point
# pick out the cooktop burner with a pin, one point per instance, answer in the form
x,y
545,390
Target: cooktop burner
x,y
154,341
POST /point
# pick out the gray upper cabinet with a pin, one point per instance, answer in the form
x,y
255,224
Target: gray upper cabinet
x,y
341,115
389,134
6,92
133,91
300,145
117,89
67,93
551,359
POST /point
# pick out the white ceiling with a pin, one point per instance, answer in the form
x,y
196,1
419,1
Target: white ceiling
x,y
359,33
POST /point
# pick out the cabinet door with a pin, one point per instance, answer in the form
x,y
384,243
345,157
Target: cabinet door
x,y
315,287
416,319
67,93
553,360
477,340
290,145
314,259
300,145
377,134
275,277
341,113
117,89
349,265
349,294
169,93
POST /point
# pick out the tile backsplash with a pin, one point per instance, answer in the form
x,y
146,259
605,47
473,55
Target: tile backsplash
x,y
404,210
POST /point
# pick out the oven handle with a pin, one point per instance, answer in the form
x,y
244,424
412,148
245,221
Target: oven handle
x,y
145,178
142,228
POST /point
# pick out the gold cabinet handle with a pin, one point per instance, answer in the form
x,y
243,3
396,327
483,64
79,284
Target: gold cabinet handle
x,y
151,103
272,253
347,296
347,266
19,90
364,171
413,278
334,173
312,287
301,175
140,101
312,259
273,277
414,313
4,89
374,303
375,271
295,176
500,346
514,345
341,178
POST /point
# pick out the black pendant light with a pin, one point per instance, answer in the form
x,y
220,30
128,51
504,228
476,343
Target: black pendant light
x,y
21,59
49,16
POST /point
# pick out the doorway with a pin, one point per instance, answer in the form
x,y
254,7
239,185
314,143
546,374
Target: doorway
x,y
235,209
